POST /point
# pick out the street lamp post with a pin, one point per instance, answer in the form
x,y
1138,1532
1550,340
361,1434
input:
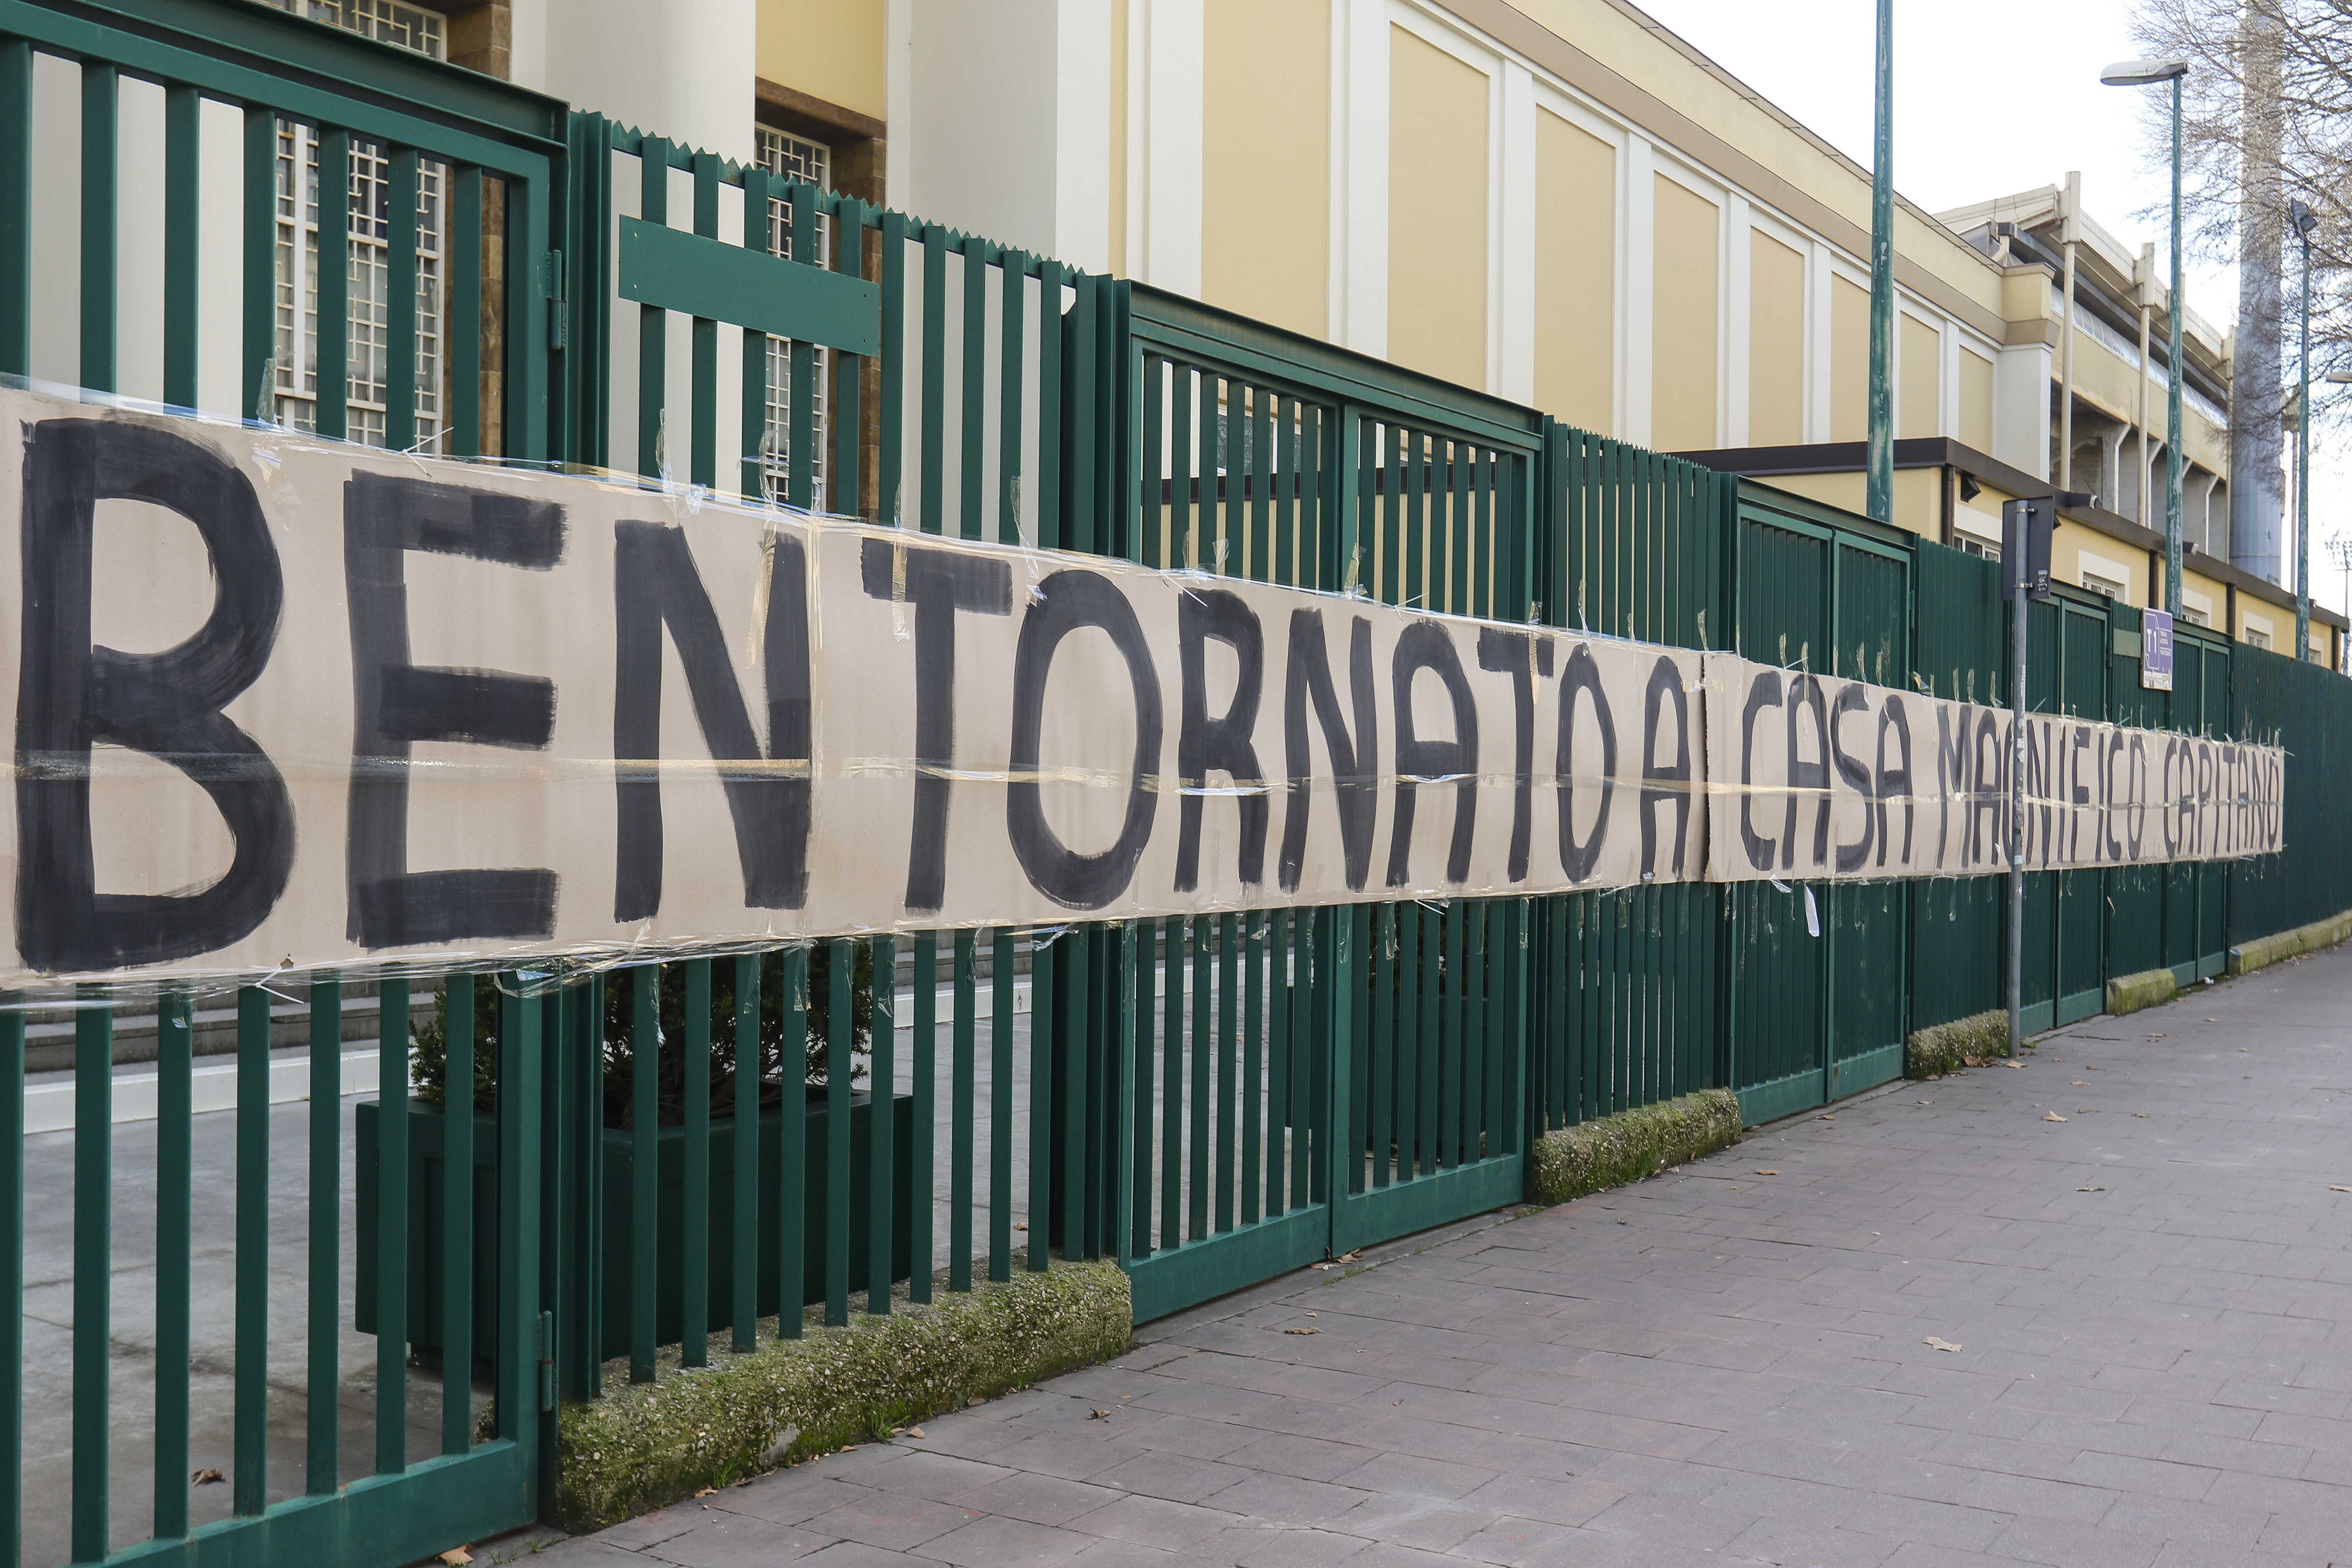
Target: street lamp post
x,y
2148,73
1879,459
2305,222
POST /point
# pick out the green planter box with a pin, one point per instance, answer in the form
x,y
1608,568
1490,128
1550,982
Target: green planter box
x,y
426,1171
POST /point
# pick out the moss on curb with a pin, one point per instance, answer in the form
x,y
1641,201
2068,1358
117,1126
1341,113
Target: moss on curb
x,y
2149,988
646,1444
1948,1047
1632,1145
2265,951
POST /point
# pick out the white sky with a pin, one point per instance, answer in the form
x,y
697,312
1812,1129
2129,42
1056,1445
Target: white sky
x,y
1992,97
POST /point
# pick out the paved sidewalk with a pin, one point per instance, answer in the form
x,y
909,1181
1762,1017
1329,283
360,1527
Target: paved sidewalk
x,y
1949,1329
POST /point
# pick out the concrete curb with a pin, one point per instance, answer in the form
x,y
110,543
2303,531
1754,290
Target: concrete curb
x,y
2263,952
2149,988
1615,1149
644,1446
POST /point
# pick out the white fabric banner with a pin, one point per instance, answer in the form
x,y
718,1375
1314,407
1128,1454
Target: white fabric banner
x,y
285,704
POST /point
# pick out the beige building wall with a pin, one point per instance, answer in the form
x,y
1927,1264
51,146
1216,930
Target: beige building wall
x,y
2075,550
1849,359
1918,495
832,49
1683,319
1919,358
1266,157
1974,425
1437,202
1121,45
1775,342
1576,274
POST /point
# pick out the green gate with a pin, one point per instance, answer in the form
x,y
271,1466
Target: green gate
x,y
1820,998
430,193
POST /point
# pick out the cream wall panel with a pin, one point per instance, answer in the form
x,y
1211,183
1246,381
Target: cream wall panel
x,y
831,49
1974,425
1265,156
1438,128
1576,273
1684,315
1920,363
1849,361
1775,342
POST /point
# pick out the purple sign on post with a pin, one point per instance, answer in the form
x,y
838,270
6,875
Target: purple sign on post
x,y
2156,650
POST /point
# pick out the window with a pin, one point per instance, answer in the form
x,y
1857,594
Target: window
x,y
2106,586
1979,548
810,163
2257,639
295,360
2191,615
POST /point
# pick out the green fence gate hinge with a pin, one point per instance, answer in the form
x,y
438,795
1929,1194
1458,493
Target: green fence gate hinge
x,y
559,310
547,1361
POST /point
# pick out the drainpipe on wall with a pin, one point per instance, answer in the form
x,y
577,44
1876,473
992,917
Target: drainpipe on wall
x,y
2070,204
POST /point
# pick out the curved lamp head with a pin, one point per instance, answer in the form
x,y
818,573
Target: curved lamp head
x,y
2303,220
2142,73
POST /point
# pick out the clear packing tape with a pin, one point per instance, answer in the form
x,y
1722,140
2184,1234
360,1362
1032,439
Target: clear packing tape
x,y
287,705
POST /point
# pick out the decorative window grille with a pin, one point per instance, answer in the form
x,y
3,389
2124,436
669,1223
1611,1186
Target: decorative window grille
x,y
810,163
369,273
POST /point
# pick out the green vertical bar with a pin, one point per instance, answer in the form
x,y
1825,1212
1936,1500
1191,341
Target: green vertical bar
x,y
694,1282
12,1162
1430,1039
1261,482
324,1373
752,421
960,1141
400,303
1151,422
847,495
1345,1143
332,298
1081,525
890,382
391,1227
181,166
933,434
1000,1107
1383,1062
841,980
519,1222
1408,1120
645,1163
1202,552
1228,1056
750,1073
174,1124
258,337
702,461
1040,1207
1137,997
1010,400
1277,1066
1171,1096
458,1282
791,1152
1050,522
1476,985
880,1173
1183,491
1077,1170
16,238
101,86
94,1264
461,264
653,325
925,1068
1305,1115
971,492
1203,1106
1252,1061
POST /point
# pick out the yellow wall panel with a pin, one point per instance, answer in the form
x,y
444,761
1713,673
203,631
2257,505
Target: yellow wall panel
x,y
1975,422
1849,361
1266,165
1920,407
1437,210
1576,274
1683,319
1775,342
831,49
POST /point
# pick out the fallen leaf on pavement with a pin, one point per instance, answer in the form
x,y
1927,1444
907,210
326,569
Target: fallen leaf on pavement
x,y
206,1478
1097,1415
2078,1083
2340,1189
2052,1116
1767,1172
2015,1067
914,1431
705,1491
2141,1114
2090,1189
457,1557
1302,1330
1932,1342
